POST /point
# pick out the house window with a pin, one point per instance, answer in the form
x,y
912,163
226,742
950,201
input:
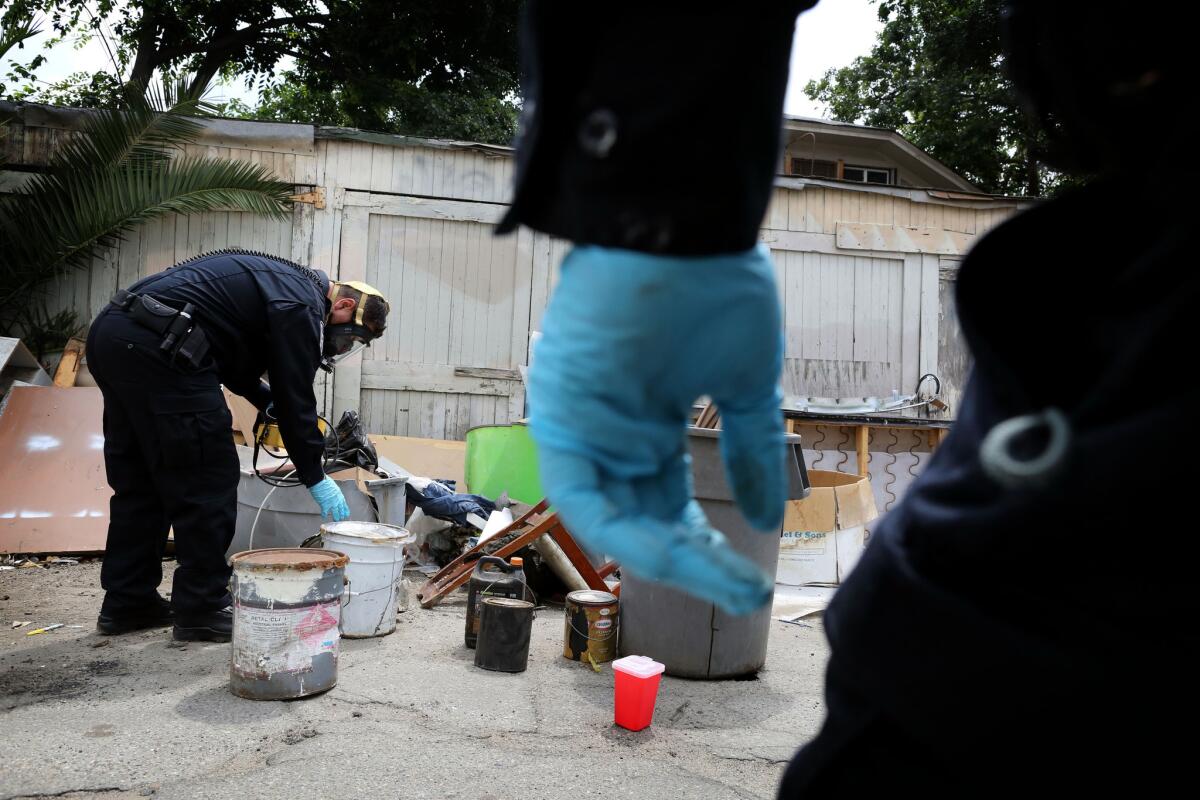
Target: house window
x,y
866,174
814,169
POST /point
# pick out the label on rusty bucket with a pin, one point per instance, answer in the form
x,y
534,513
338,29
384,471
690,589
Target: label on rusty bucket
x,y
267,642
590,630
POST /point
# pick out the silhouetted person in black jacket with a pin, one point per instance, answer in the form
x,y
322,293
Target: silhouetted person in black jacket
x,y
1019,622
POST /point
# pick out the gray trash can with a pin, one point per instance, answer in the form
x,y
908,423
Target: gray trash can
x,y
692,637
289,514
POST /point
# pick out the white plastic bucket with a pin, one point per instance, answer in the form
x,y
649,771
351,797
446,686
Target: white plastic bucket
x,y
373,575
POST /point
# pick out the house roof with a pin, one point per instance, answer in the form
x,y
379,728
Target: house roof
x,y
893,145
300,137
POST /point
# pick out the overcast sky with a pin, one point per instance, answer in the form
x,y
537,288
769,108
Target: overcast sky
x,y
830,35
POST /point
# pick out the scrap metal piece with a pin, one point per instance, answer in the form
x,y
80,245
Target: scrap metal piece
x,y
18,364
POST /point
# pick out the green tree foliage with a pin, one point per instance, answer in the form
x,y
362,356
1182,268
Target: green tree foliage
x,y
16,27
418,66
936,76
476,115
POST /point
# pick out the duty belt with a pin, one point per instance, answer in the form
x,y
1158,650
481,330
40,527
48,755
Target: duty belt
x,y
183,339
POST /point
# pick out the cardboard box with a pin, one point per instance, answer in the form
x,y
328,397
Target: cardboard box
x,y
825,533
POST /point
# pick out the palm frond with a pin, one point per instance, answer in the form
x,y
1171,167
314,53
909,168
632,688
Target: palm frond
x,y
112,139
17,32
124,168
64,220
155,123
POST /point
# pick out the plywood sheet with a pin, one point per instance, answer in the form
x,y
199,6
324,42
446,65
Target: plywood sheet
x,y
53,491
428,458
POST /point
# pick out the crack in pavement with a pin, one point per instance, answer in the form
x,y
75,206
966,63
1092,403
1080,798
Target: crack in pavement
x,y
65,792
535,710
423,719
752,758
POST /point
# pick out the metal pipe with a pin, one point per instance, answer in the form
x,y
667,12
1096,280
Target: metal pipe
x,y
559,563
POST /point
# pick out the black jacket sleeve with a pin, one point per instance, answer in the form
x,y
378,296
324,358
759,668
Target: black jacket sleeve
x,y
294,333
652,127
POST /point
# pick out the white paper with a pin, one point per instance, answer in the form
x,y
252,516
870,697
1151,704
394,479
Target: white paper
x,y
498,521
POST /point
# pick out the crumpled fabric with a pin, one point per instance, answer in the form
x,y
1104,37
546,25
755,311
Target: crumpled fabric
x,y
439,501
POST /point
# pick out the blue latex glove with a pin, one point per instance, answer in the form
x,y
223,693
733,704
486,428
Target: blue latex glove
x,y
629,342
331,500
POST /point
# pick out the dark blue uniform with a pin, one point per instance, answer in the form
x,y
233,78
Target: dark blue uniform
x,y
992,638
168,448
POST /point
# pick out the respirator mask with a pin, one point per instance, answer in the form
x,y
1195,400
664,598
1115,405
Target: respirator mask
x,y
345,339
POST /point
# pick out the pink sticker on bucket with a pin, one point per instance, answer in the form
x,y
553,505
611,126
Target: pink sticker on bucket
x,y
314,628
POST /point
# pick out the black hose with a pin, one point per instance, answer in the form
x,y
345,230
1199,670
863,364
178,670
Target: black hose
x,y
329,463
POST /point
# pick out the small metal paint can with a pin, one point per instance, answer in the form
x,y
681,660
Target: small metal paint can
x,y
287,605
505,625
590,629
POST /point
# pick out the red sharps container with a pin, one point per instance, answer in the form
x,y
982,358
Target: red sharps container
x,y
636,688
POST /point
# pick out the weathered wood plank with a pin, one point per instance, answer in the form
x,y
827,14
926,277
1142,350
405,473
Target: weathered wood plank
x,y
954,357
894,239
68,365
433,378
382,160
429,208
910,321
808,242
541,280
522,248
861,448
792,298
487,373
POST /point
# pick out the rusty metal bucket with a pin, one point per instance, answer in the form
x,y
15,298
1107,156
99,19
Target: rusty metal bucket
x,y
287,604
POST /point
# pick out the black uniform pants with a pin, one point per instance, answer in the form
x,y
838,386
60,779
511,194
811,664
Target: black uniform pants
x,y
171,462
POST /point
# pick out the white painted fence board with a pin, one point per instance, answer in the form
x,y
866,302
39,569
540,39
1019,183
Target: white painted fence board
x,y
542,270
347,379
929,314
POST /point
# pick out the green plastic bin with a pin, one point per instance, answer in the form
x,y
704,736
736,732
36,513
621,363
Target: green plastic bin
x,y
501,458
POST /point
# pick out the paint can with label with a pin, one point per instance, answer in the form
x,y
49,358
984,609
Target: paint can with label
x,y
287,604
590,631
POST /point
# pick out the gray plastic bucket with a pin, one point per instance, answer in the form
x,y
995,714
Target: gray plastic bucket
x,y
692,637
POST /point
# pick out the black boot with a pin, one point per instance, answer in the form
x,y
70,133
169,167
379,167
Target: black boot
x,y
215,626
155,614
